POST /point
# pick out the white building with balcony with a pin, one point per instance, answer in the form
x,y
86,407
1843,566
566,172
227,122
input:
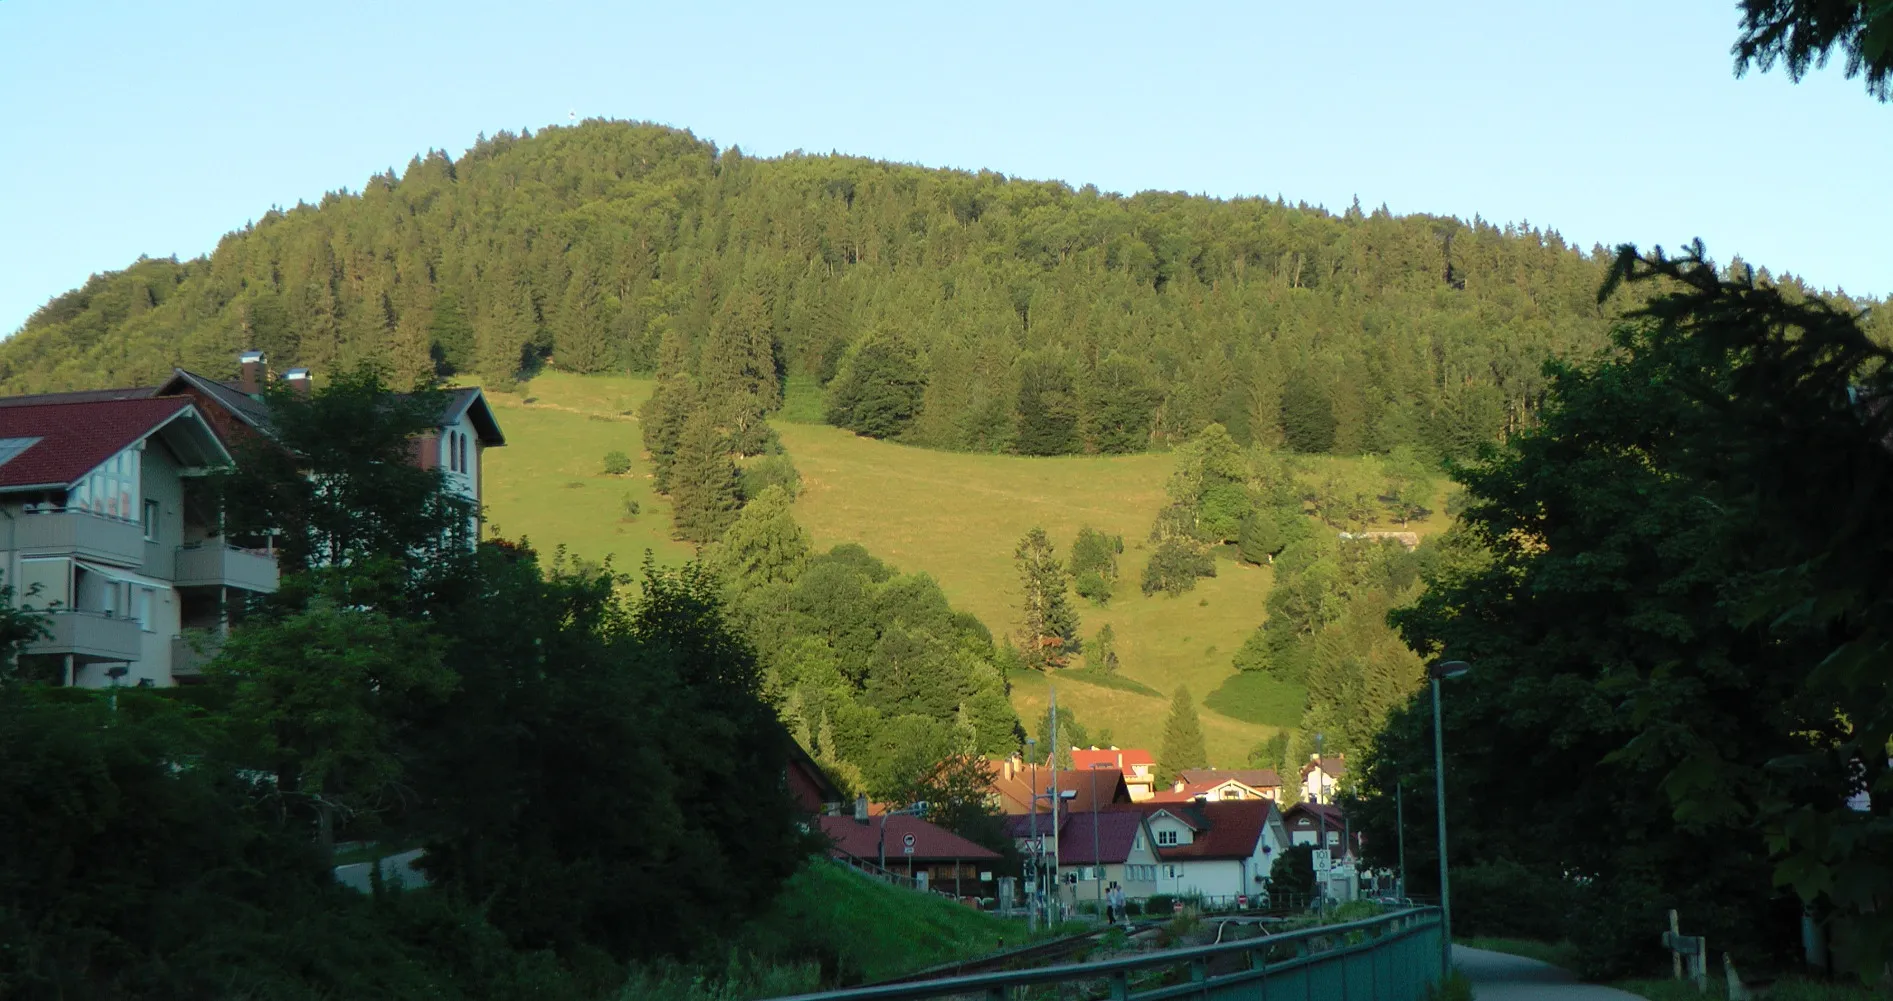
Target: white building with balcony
x,y
107,527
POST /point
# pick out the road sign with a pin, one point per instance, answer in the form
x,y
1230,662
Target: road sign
x,y
1323,860
907,844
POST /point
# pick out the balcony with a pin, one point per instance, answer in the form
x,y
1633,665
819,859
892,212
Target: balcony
x,y
91,637
79,533
214,564
192,650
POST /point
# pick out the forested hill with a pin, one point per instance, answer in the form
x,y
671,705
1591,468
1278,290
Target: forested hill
x,y
1038,318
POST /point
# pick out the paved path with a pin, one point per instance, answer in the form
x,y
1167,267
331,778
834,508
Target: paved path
x,y
396,871
1497,976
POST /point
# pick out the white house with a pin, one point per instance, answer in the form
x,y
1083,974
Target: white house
x,y
1216,849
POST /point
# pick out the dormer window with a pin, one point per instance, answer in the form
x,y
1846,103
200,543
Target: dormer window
x,y
1166,837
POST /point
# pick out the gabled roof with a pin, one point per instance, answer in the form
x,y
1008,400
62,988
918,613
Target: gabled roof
x,y
932,843
1223,830
1075,788
230,395
1317,813
74,438
1254,778
1115,834
468,401
1334,765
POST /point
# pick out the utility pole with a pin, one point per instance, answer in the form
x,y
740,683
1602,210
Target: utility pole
x,y
1038,861
1321,882
1400,835
1097,864
1056,802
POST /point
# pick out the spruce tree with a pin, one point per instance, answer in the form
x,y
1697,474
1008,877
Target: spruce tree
x,y
1182,738
662,418
1049,633
452,333
763,546
1102,654
582,342
1047,416
705,485
879,388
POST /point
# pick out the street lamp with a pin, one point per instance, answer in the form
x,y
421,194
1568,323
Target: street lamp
x,y
1031,751
1321,841
1436,673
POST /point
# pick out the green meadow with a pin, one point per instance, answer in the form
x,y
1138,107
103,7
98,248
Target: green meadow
x,y
955,516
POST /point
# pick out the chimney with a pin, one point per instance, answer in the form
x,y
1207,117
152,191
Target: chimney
x,y
860,809
250,372
298,380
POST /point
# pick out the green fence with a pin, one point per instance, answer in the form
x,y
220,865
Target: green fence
x,y
1393,957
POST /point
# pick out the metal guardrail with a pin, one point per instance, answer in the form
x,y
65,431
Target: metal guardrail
x,y
1393,957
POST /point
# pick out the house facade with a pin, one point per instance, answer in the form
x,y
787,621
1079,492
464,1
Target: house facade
x,y
1138,767
1321,777
111,533
1097,851
1218,850
933,856
1217,785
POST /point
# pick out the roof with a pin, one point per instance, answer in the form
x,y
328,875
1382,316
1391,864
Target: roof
x,y
931,842
1318,812
73,438
819,781
1226,829
1334,765
1111,757
230,395
1254,778
81,396
1115,834
468,401
1075,788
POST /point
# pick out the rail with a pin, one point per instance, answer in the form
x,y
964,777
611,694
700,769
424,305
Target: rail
x,y
1392,957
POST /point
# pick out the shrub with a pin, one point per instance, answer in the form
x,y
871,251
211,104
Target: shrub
x,y
631,507
1504,898
1174,568
617,463
772,471
1159,904
1092,585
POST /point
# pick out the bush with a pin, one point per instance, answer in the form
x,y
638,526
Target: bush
x,y
1504,898
1092,585
772,471
1174,568
617,463
631,507
1159,904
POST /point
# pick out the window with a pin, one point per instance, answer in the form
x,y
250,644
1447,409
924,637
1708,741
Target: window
x,y
143,612
1334,837
463,452
111,489
1172,872
1137,841
10,448
1232,793
1166,837
151,520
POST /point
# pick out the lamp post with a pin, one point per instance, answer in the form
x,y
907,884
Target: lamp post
x,y
1032,911
1097,864
1321,842
1436,673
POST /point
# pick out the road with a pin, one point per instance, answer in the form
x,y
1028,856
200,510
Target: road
x,y
1497,976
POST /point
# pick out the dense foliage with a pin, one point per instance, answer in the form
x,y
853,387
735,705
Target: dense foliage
x,y
947,308
1675,594
563,752
879,677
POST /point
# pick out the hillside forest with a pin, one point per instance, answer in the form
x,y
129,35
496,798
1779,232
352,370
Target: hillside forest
x,y
948,309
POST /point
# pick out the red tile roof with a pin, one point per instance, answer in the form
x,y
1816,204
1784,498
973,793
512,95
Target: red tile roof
x,y
1015,793
1254,778
931,842
1116,832
1320,813
1227,829
1119,758
76,437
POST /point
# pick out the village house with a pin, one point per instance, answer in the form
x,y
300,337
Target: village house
x,y
1222,784
933,856
1220,850
1321,777
1324,825
1011,786
110,531
1138,766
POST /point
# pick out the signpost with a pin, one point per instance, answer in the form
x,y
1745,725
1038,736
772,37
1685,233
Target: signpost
x,y
907,844
1323,860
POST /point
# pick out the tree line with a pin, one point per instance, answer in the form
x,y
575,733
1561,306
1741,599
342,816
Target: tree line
x,y
950,309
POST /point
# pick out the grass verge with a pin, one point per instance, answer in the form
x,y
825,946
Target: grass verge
x,y
865,930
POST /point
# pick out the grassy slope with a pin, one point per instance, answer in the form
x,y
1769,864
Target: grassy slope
x,y
955,516
875,930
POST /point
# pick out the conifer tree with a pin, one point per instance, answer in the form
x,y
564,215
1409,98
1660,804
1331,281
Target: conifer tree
x,y
662,418
1047,416
706,488
451,332
764,545
1102,653
1049,634
1182,738
582,342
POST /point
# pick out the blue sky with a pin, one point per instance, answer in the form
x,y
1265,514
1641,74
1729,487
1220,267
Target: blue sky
x,y
135,127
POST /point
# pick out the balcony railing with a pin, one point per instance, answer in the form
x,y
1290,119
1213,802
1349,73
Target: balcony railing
x,y
91,636
209,564
73,532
